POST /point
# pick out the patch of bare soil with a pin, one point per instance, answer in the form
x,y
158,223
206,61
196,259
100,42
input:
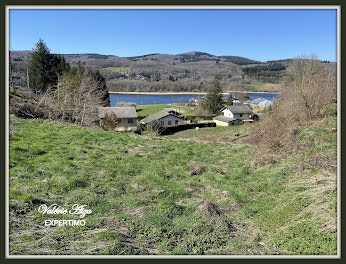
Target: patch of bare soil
x,y
214,213
111,224
197,168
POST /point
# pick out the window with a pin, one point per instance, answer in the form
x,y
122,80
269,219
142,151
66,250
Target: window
x,y
130,121
169,122
176,122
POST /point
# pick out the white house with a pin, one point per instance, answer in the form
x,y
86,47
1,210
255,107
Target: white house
x,y
265,103
238,112
233,115
260,103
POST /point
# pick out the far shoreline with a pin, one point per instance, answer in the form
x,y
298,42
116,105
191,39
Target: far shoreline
x,y
187,93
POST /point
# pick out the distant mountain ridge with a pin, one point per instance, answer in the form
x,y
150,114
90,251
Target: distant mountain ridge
x,y
190,71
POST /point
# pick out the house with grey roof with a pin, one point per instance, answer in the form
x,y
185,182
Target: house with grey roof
x,y
166,118
172,111
233,115
241,112
126,117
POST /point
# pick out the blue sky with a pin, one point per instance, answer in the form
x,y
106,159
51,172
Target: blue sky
x,y
256,34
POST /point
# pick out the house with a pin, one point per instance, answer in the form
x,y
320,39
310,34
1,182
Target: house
x,y
260,103
126,116
194,101
233,115
247,102
166,118
172,111
265,103
241,112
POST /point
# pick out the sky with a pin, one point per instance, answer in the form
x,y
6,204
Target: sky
x,y
255,34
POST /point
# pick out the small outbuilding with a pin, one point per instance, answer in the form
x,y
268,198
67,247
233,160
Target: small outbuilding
x,y
126,117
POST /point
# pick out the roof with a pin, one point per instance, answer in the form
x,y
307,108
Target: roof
x,y
157,116
170,110
120,112
257,100
239,109
223,118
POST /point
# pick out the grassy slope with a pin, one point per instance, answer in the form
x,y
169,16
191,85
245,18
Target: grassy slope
x,y
182,195
125,70
257,85
145,110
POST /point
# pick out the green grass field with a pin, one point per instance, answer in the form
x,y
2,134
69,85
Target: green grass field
x,y
145,110
123,70
257,85
181,194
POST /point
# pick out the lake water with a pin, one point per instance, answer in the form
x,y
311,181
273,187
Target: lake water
x,y
145,99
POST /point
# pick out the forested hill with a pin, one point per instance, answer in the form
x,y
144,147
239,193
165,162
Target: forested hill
x,y
191,71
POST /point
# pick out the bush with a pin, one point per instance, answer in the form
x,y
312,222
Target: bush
x,y
109,122
77,97
308,92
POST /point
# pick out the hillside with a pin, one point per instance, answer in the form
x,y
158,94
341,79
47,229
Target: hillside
x,y
191,193
192,71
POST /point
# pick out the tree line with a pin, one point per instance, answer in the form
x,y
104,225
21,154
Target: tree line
x,y
63,92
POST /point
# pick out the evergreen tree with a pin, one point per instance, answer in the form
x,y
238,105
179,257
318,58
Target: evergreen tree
x,y
45,68
39,67
213,100
229,100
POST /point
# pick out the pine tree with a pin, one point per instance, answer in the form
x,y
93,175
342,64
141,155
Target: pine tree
x,y
213,100
45,68
229,100
39,67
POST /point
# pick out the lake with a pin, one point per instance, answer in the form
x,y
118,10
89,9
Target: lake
x,y
145,99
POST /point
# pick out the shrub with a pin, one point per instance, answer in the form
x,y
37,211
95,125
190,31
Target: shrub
x,y
109,122
308,91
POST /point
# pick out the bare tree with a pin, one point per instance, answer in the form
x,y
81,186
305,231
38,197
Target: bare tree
x,y
74,99
155,128
308,89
